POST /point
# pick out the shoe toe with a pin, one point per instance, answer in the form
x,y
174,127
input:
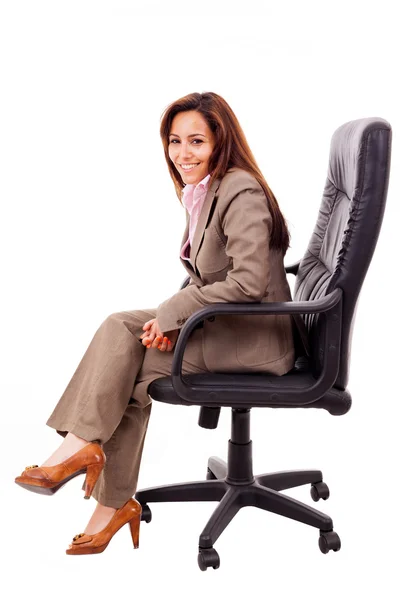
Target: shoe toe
x,y
81,538
79,543
36,473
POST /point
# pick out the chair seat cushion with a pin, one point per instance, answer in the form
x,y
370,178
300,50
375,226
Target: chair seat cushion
x,y
336,401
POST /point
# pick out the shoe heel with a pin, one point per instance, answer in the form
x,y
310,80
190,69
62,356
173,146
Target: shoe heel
x,y
134,524
92,475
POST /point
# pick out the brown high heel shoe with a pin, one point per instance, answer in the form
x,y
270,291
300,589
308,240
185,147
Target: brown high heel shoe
x,y
85,543
48,480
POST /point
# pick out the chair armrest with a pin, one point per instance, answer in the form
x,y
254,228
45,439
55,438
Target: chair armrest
x,y
330,307
293,268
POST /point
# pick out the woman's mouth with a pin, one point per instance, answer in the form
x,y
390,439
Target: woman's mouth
x,y
189,167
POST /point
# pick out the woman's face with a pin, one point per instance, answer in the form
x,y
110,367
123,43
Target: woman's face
x,y
191,142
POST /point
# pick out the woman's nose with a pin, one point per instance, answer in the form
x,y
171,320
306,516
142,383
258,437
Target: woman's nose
x,y
184,152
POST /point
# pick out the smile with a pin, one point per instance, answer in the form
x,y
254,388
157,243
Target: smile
x,y
189,167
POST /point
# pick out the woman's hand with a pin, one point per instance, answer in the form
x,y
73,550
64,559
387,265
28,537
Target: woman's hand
x,y
153,337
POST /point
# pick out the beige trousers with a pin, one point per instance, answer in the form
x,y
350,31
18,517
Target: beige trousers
x,y
95,405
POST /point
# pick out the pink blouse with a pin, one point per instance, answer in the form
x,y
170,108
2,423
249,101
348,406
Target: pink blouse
x,y
193,200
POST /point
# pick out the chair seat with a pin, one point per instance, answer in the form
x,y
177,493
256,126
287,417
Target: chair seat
x,y
336,401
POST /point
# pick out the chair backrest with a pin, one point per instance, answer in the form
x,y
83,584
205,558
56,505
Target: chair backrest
x,y
347,229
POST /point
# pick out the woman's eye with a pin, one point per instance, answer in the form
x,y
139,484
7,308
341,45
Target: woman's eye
x,y
195,140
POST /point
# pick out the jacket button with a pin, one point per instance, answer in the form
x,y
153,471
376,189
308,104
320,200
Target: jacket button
x,y
210,318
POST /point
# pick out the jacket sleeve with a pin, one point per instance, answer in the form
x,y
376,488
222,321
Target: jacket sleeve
x,y
246,222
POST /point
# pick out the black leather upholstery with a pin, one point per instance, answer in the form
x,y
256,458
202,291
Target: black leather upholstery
x,y
347,228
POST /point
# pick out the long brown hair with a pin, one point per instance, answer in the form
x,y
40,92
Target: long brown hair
x,y
231,150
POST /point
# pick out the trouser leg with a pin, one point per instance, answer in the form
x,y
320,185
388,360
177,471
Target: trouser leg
x,y
95,405
118,480
95,400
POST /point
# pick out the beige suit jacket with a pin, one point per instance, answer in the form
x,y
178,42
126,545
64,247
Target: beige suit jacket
x,y
232,262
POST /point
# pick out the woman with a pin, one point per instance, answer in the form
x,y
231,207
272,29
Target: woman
x,y
233,249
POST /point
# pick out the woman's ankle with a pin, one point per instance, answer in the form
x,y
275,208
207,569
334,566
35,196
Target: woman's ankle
x,y
69,446
105,509
100,518
73,439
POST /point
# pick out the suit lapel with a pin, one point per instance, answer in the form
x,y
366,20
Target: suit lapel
x,y
203,219
199,231
185,262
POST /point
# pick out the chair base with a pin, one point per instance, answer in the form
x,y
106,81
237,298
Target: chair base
x,y
262,492
233,485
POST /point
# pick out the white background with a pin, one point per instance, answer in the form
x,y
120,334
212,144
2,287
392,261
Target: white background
x,y
91,225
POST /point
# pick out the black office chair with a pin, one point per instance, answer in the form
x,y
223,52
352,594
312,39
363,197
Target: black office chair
x,y
328,283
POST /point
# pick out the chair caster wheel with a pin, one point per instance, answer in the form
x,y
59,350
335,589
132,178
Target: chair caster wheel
x,y
210,474
319,490
329,540
146,513
208,557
